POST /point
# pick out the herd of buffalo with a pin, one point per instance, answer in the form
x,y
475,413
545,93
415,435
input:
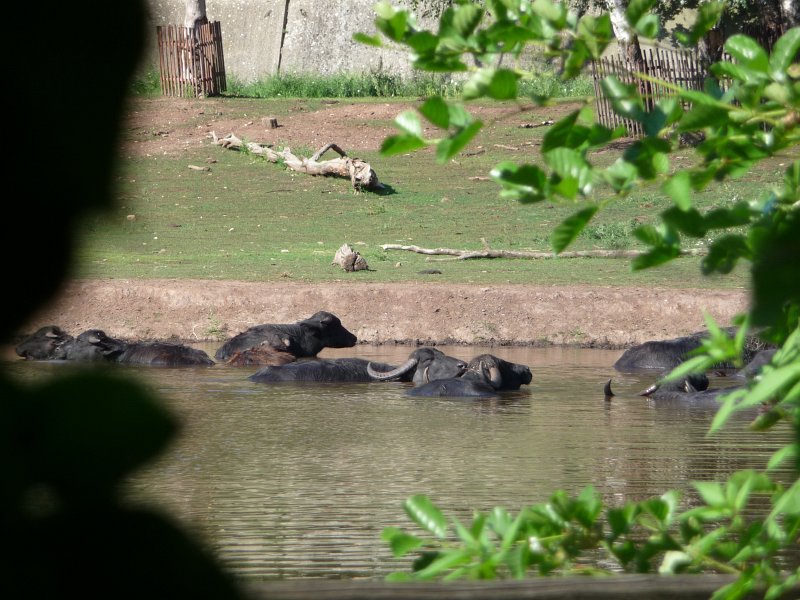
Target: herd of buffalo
x,y
288,353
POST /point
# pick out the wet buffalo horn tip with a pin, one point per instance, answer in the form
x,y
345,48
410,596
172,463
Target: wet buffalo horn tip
x,y
688,387
607,389
649,390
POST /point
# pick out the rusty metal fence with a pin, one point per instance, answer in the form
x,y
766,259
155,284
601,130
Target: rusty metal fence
x,y
191,60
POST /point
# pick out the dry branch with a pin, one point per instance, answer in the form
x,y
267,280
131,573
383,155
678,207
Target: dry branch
x,y
359,172
489,253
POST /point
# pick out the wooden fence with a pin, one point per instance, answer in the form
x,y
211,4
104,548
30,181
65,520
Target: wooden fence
x,y
680,68
191,60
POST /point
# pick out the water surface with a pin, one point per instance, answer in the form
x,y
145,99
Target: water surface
x,y
297,481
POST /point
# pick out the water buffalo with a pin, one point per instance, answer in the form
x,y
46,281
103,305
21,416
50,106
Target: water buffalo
x,y
485,377
423,365
667,354
304,339
47,343
164,354
500,374
261,355
95,345
754,367
332,370
358,370
470,385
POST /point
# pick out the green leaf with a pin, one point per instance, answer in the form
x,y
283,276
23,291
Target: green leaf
x,y
711,492
708,14
780,456
624,98
678,188
369,40
772,382
596,33
556,13
688,222
647,26
674,562
394,27
425,514
622,519
784,53
576,58
477,85
503,85
702,116
466,18
435,109
449,147
422,42
724,253
637,9
408,121
401,543
747,52
566,232
445,560
789,502
401,144
525,183
558,133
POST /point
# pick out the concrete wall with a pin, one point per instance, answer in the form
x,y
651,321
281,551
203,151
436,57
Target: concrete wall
x,y
318,36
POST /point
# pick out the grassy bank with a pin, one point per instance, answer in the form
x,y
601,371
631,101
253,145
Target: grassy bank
x,y
252,220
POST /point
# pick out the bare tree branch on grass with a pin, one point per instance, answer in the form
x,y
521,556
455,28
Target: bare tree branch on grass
x,y
492,253
360,173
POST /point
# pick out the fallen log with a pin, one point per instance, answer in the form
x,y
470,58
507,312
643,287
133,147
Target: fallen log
x,y
360,173
491,253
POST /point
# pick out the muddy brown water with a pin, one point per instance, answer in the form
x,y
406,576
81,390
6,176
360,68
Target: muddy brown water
x,y
297,481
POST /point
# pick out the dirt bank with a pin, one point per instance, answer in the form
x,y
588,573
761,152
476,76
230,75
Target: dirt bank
x,y
591,316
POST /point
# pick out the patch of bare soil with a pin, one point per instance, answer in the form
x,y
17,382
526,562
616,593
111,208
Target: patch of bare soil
x,y
193,310
609,317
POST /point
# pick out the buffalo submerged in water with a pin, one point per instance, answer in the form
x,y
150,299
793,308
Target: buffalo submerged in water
x,y
486,377
422,365
304,339
93,345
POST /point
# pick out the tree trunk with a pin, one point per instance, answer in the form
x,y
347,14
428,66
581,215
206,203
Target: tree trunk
x,y
626,38
195,13
790,10
361,175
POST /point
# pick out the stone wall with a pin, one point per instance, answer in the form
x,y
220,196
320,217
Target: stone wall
x,y
317,36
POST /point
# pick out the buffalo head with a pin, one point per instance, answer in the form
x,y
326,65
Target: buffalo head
x,y
47,343
423,365
500,374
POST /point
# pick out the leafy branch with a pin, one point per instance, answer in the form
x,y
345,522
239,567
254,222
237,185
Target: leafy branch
x,y
748,112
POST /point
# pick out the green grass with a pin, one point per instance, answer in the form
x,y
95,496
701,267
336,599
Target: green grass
x,y
373,84
249,219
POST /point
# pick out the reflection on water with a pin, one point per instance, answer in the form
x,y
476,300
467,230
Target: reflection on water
x,y
288,481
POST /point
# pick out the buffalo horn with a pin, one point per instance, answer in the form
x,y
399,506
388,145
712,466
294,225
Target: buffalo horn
x,y
607,389
495,378
394,373
649,390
